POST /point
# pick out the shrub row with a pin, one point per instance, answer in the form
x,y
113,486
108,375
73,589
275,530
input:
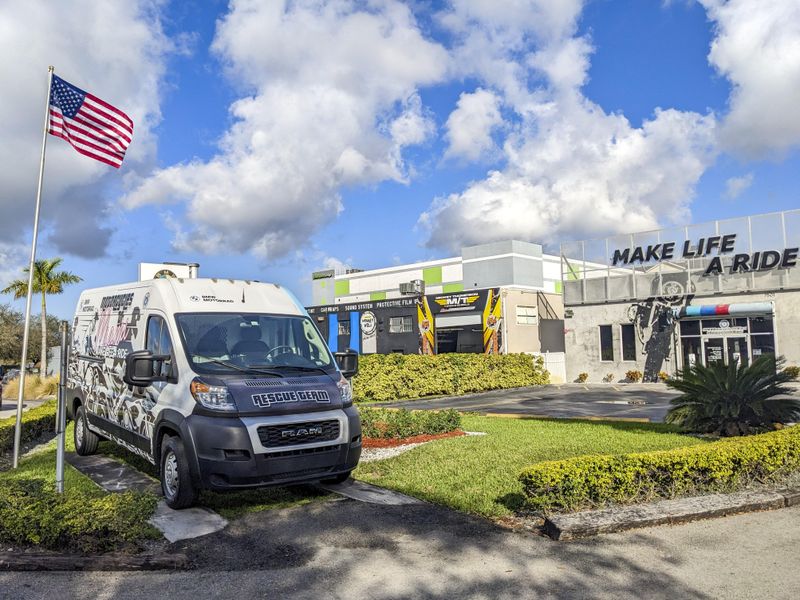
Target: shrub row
x,y
35,422
593,481
387,423
396,376
32,513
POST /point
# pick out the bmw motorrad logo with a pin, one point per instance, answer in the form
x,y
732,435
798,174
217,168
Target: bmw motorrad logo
x,y
194,298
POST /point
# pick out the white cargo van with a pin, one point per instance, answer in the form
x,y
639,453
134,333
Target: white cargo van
x,y
221,384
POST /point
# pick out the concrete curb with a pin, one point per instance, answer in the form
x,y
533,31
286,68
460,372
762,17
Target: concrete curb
x,y
102,562
666,512
525,416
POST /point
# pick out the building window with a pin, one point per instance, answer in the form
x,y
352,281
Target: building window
x,y
400,325
527,315
344,327
628,339
606,343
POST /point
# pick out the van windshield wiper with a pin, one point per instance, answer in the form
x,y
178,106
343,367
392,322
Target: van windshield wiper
x,y
298,368
247,369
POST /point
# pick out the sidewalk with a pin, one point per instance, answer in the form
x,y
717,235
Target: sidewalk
x,y
9,406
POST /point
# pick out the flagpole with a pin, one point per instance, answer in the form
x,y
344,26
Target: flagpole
x,y
20,397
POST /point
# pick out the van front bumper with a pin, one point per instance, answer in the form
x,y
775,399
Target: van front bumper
x,y
225,457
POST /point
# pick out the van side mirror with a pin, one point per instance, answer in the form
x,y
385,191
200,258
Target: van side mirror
x,y
142,368
348,363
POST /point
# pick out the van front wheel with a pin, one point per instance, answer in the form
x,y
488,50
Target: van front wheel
x,y
85,440
176,480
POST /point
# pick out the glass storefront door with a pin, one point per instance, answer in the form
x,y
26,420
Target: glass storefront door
x,y
737,351
714,350
730,340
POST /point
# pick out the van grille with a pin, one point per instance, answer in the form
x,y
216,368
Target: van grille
x,y
293,434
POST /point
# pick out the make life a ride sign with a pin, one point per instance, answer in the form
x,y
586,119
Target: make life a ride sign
x,y
715,245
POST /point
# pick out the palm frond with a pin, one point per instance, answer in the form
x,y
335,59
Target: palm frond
x,y
733,397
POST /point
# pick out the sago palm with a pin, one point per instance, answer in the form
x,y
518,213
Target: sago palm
x,y
46,280
732,399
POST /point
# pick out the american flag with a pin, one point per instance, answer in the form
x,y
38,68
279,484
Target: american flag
x,y
93,127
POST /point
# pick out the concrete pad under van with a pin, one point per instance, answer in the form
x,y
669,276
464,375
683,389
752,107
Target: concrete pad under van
x,y
186,523
115,476
364,492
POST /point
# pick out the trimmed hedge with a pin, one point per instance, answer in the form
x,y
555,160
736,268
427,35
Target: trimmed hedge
x,y
593,481
385,423
35,422
383,377
32,513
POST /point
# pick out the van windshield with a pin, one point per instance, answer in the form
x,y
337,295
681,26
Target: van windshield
x,y
236,342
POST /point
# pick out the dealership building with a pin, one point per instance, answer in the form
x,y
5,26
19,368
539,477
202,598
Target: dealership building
x,y
659,301
493,298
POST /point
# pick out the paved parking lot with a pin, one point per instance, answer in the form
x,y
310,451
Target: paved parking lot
x,y
647,401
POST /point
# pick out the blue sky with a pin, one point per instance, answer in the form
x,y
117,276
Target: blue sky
x,y
396,132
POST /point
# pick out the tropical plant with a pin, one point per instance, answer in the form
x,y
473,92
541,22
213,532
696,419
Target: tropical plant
x,y
47,279
793,371
732,399
634,376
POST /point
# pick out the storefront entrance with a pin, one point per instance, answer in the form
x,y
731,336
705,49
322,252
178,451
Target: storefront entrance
x,y
737,340
726,349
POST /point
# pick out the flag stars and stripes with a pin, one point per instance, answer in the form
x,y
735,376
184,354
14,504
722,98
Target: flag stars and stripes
x,y
92,126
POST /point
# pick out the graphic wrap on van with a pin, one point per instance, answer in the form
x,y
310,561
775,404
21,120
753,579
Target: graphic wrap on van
x,y
234,374
104,333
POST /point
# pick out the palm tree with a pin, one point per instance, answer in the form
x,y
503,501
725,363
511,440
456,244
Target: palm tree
x,y
46,280
733,399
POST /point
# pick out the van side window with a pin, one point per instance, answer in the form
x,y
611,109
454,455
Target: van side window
x,y
158,339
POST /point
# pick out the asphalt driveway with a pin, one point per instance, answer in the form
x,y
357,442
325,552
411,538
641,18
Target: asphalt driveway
x,y
348,549
642,402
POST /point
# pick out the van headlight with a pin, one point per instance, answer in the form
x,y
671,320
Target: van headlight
x,y
346,390
214,397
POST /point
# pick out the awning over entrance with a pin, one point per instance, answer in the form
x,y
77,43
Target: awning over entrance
x,y
743,309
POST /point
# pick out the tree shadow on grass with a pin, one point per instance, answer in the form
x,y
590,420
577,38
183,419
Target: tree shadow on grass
x,y
514,501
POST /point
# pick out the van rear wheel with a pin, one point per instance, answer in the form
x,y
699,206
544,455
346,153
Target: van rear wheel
x,y
176,479
85,440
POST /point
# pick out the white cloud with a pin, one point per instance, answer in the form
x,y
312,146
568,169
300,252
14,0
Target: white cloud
x,y
12,260
331,101
114,49
736,185
757,47
470,125
491,36
572,170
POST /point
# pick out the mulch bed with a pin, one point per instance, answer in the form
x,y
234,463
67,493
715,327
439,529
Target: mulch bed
x,y
369,442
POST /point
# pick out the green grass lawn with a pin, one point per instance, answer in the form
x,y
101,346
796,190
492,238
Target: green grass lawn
x,y
42,465
478,474
84,518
